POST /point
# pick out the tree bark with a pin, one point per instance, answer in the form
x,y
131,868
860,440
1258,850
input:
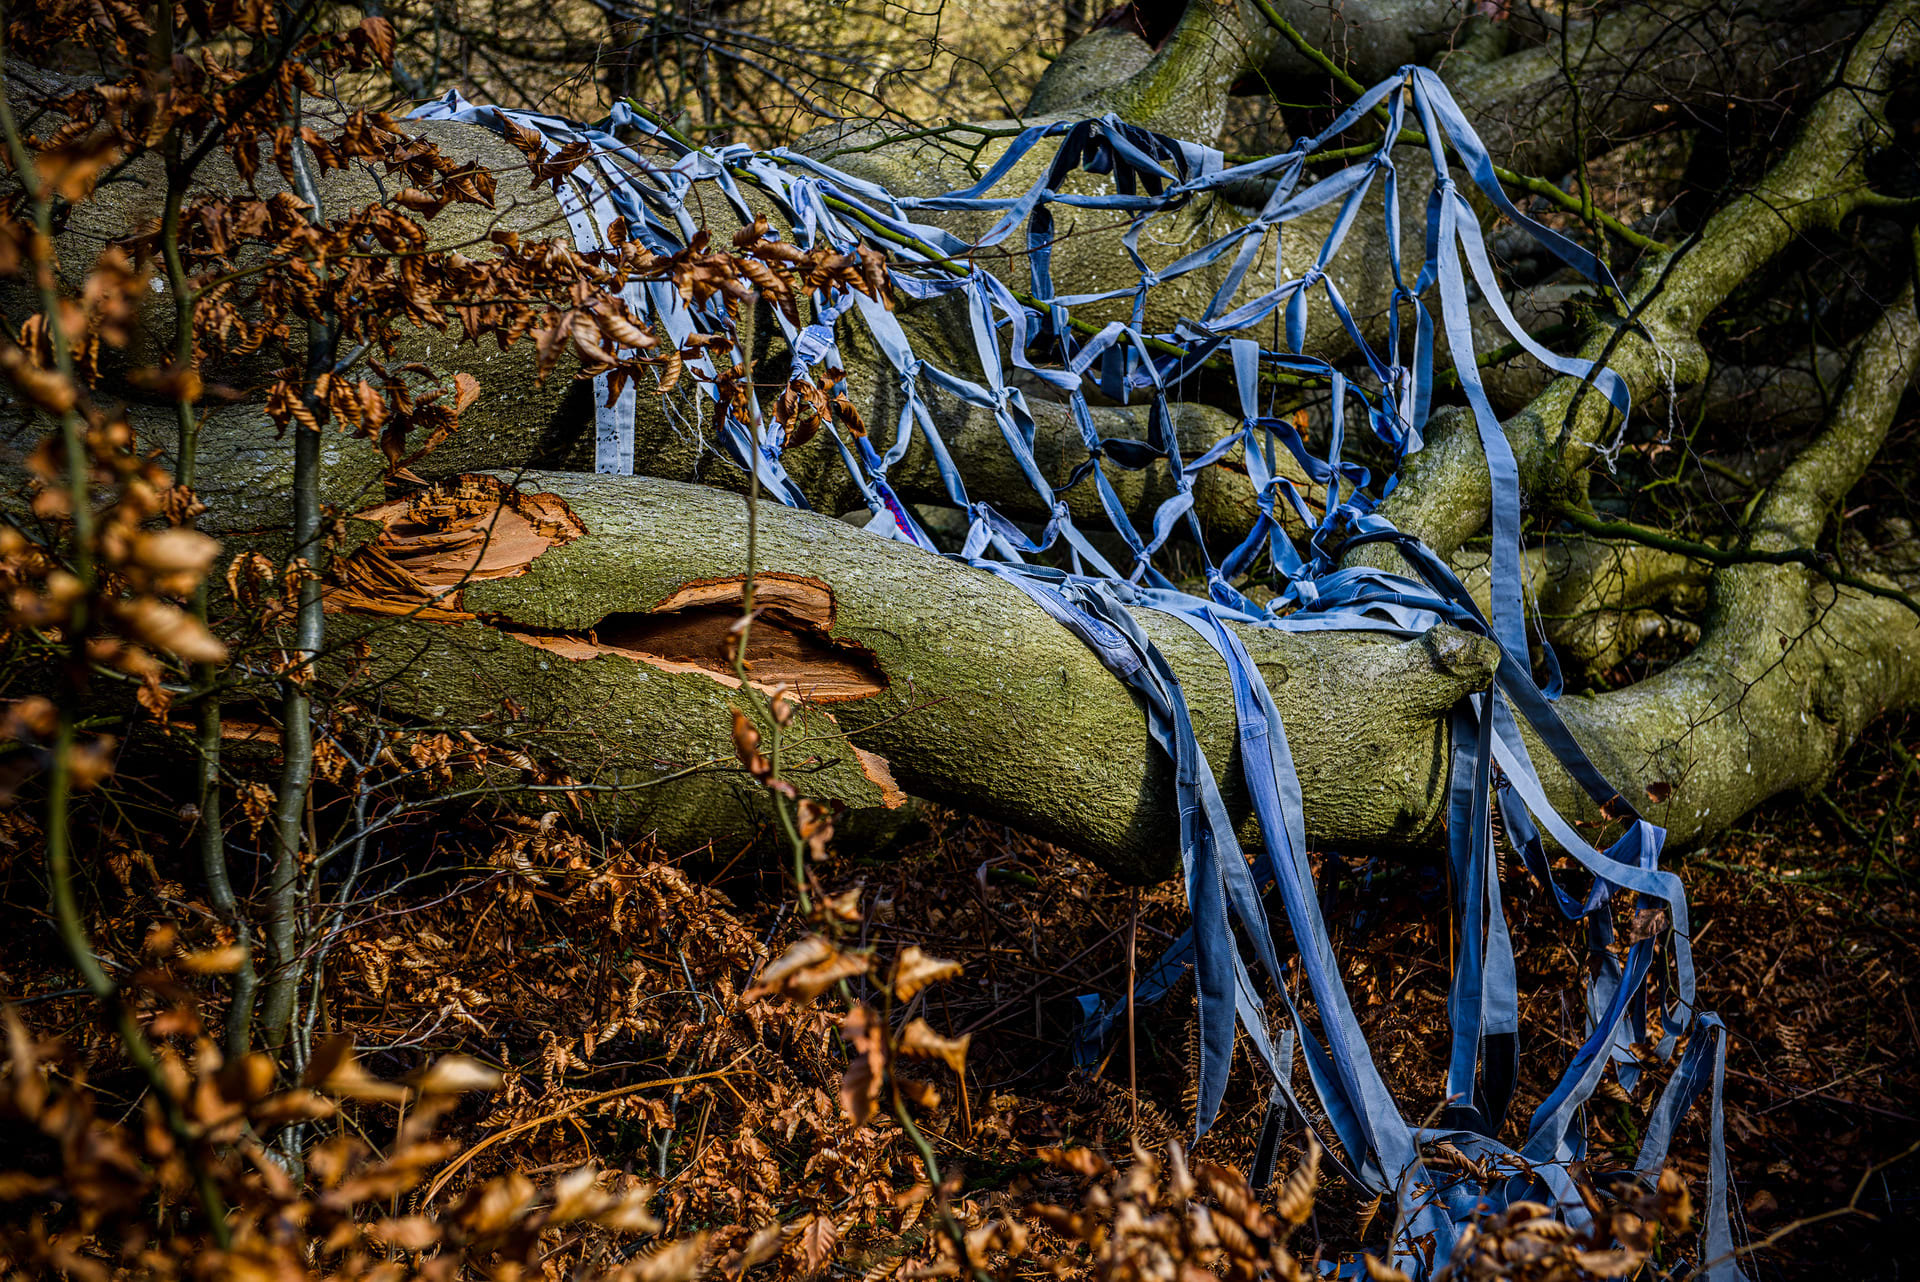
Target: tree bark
x,y
604,622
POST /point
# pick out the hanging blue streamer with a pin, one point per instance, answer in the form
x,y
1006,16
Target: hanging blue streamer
x,y
1367,1136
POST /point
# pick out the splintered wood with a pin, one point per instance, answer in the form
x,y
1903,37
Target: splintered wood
x,y
695,630
466,529
472,528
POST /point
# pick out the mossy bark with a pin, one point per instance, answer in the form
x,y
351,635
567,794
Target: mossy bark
x,y
986,701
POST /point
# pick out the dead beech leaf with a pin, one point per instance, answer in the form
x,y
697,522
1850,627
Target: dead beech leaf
x,y
810,951
177,558
334,1070
924,1096
376,36
1380,1271
168,627
247,1078
1294,1202
215,961
866,1068
1617,1263
256,802
625,332
70,170
816,828
678,1261
1081,1161
808,969
455,1075
292,1106
670,369
577,1195
90,761
919,1041
629,1214
817,1241
763,1246
746,742
466,390
16,1185
408,1232
1674,1201
1649,922
49,389
845,905
913,970
749,236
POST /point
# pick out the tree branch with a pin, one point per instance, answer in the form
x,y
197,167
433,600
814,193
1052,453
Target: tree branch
x,y
1443,497
1796,506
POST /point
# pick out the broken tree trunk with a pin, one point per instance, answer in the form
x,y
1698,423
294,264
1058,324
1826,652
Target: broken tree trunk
x,y
587,618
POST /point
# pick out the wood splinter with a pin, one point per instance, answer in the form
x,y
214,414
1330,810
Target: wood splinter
x,y
473,528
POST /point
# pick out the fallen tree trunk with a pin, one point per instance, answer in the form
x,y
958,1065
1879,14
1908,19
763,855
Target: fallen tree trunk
x,y
599,608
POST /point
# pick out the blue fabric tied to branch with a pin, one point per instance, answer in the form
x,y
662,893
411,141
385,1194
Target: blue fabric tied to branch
x,y
1368,1137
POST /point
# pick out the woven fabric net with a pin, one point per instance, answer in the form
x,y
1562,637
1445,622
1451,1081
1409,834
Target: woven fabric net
x,y
1027,333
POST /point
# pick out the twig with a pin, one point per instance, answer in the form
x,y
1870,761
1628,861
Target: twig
x,y
453,1167
1821,563
1133,1063
1852,1207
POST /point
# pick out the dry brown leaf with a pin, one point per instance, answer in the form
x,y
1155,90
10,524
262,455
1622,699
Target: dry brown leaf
x,y
808,969
334,1070
408,1233
455,1075
919,1041
215,961
1081,1161
168,627
817,1241
913,970
466,390
677,1261
866,1067
1380,1271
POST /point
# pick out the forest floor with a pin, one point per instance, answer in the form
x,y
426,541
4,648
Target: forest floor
x,y
607,983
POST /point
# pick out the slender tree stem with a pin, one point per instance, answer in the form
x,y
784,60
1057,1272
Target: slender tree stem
x,y
1133,1063
206,676
296,715
59,837
952,1226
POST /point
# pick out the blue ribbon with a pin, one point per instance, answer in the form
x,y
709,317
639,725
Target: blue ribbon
x,y
1152,177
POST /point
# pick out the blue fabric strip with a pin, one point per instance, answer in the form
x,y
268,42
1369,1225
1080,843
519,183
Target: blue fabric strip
x,y
1151,178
